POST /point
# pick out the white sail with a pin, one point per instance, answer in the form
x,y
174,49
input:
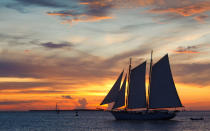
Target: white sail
x,y
121,96
137,93
163,93
113,93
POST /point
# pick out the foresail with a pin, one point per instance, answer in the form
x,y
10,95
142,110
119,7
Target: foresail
x,y
120,100
111,96
163,92
137,93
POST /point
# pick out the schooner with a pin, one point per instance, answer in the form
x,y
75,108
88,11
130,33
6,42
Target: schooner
x,y
161,93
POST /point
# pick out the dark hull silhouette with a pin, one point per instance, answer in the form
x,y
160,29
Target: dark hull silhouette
x,y
143,115
197,118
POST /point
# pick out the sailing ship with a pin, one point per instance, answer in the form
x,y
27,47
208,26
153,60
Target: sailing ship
x,y
135,103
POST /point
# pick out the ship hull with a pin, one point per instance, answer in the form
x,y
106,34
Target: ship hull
x,y
143,115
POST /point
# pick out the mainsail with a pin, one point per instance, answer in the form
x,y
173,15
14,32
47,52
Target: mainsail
x,y
137,93
120,101
163,93
113,93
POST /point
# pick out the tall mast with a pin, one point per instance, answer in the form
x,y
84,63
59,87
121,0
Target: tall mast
x,y
150,73
129,73
56,106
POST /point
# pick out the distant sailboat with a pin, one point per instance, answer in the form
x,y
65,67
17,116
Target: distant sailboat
x,y
56,109
161,93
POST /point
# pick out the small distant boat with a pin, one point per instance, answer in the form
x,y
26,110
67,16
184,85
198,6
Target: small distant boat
x,y
201,118
154,103
56,109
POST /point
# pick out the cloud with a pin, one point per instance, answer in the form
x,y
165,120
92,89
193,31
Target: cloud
x,y
66,97
10,102
201,18
70,19
22,5
52,45
45,3
87,11
23,85
69,16
192,73
42,91
82,103
74,11
182,9
60,72
76,68
185,10
71,72
22,40
123,3
19,69
49,67
188,49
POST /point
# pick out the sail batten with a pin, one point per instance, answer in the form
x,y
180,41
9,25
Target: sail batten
x,y
137,93
163,92
120,101
113,93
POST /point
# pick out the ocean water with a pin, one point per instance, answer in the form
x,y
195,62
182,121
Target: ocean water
x,y
97,121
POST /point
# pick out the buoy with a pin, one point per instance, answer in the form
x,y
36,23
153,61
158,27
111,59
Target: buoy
x,y
76,113
201,118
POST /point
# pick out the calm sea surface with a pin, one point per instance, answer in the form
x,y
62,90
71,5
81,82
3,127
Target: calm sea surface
x,y
97,121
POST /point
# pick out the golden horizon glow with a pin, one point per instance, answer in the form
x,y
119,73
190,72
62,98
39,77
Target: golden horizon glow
x,y
189,95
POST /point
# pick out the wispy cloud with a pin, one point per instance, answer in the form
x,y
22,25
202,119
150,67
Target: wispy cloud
x,y
23,85
52,45
201,18
192,73
66,97
95,11
46,3
22,5
87,11
42,91
71,19
185,10
11,102
73,11
188,49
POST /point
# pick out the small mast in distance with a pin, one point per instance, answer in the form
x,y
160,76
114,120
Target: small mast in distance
x,y
56,108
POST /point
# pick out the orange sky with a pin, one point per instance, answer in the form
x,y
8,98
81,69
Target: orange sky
x,y
189,94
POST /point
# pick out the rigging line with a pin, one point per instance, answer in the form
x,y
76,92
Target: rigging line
x,y
150,74
129,73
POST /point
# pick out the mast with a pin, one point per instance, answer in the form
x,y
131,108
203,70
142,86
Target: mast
x,y
56,108
150,74
129,73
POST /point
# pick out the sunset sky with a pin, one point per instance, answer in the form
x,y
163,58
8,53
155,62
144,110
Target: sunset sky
x,y
72,51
